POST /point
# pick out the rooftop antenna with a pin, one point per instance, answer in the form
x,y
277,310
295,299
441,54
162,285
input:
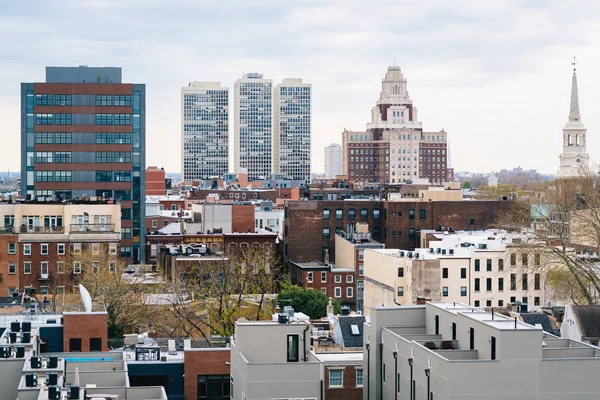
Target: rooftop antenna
x,y
574,64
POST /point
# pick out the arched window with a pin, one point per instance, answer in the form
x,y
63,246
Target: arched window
x,y
232,247
577,143
570,140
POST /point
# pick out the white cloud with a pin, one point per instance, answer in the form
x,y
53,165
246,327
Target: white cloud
x,y
494,74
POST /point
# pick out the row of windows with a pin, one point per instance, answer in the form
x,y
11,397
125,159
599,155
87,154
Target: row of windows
x,y
60,267
53,138
113,119
52,157
513,299
336,278
113,157
53,119
113,100
113,176
110,138
339,213
60,248
53,100
53,176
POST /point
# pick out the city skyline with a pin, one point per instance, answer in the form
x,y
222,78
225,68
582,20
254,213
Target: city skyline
x,y
507,76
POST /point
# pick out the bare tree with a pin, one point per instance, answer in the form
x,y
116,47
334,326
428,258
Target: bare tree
x,y
562,223
208,296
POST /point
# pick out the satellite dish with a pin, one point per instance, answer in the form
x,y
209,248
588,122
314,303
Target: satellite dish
x,y
86,298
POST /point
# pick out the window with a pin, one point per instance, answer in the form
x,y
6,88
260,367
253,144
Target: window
x,y
336,378
477,264
445,291
349,292
112,249
376,215
536,282
536,259
324,290
27,267
292,348
214,387
75,344
500,264
12,268
309,277
325,213
524,281
364,213
513,299
463,291
524,258
463,273
500,303
524,300
477,284
12,248
411,233
400,291
60,249
95,344
339,214
337,278
488,265
60,267
351,214
477,303
325,233
96,267
400,272
323,276
359,378
471,221
500,284
95,249
43,289
349,279
513,259
536,301
77,267
488,284
27,249
488,303
423,214
337,292
112,267
445,273
411,214
76,248
154,223
513,281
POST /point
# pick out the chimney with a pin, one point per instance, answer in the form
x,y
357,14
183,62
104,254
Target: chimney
x,y
330,309
326,257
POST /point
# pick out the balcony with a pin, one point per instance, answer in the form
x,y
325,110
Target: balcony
x,y
92,228
42,229
6,230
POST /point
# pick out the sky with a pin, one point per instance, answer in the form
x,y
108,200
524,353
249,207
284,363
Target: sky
x,y
496,75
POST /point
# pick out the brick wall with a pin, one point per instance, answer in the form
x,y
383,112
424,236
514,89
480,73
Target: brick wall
x,y
8,280
85,326
203,362
349,391
242,218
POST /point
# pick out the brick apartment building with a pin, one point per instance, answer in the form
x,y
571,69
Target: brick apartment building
x,y
155,181
83,137
310,226
336,283
40,242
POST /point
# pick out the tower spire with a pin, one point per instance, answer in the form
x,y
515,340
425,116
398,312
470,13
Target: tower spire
x,y
574,109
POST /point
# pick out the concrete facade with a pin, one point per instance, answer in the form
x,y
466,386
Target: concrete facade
x,y
333,161
453,351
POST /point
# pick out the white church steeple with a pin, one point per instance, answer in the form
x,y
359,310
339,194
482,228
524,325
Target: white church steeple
x,y
574,155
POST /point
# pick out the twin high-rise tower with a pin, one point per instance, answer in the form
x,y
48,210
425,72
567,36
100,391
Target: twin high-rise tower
x,y
271,129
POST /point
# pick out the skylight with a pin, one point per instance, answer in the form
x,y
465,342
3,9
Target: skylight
x,y
355,330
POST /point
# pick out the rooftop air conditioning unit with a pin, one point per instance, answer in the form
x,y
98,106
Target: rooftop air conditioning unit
x,y
451,252
444,251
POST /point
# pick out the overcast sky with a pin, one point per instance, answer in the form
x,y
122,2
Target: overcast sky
x,y
495,75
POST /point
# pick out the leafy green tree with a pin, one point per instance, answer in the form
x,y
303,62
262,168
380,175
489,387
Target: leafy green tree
x,y
310,302
467,185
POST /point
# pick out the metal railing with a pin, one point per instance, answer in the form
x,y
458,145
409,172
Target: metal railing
x,y
7,229
92,228
42,229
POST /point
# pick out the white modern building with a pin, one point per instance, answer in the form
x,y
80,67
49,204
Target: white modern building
x,y
574,158
252,124
204,130
482,268
292,129
333,161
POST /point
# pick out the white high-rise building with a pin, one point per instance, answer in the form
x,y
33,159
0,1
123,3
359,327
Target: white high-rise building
x,y
253,125
574,158
291,129
204,130
333,160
